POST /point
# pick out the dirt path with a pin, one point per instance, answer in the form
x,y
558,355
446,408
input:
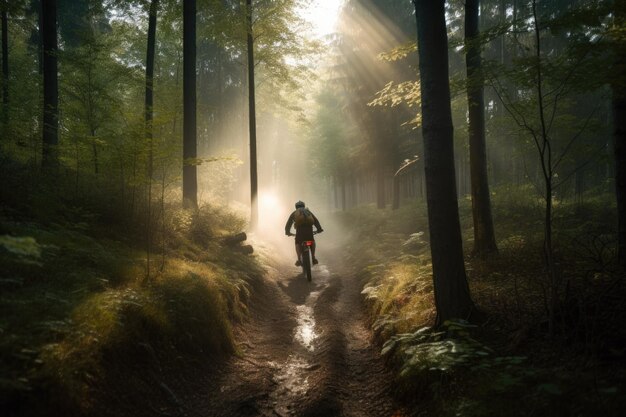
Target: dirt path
x,y
306,352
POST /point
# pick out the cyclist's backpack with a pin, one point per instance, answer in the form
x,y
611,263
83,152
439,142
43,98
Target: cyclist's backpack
x,y
303,217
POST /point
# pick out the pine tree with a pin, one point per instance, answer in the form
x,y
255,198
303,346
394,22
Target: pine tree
x,y
452,297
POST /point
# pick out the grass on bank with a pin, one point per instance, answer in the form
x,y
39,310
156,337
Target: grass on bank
x,y
507,365
80,323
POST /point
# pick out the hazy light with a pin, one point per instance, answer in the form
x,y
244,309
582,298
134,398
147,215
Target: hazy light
x,y
268,202
322,14
370,33
273,214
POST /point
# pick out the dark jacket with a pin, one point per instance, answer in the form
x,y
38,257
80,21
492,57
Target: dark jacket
x,y
304,232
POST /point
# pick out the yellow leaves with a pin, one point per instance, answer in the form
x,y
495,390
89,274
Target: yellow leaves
x,y
399,52
407,92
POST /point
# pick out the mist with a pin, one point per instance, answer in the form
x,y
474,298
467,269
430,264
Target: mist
x,y
464,159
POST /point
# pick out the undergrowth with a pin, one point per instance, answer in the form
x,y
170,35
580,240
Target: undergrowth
x,y
78,315
507,365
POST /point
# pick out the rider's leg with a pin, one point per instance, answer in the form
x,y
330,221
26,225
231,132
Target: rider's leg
x,y
313,253
298,254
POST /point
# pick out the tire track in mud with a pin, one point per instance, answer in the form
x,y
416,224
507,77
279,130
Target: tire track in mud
x,y
305,352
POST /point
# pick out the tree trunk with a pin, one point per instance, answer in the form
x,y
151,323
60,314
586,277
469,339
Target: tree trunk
x,y
395,205
50,156
190,173
619,131
152,20
544,147
254,211
343,194
219,131
5,67
452,297
484,239
94,147
335,196
380,187
579,189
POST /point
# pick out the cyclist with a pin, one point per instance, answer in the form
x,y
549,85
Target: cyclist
x,y
303,220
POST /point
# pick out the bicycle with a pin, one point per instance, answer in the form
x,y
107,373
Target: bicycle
x,y
306,257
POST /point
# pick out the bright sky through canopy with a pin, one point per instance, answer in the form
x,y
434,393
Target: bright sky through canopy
x,y
322,14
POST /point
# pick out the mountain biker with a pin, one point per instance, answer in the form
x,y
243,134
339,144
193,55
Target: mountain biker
x,y
303,220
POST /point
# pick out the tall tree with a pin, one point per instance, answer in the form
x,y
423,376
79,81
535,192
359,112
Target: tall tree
x,y
452,297
190,173
152,21
5,64
50,84
254,210
619,126
484,238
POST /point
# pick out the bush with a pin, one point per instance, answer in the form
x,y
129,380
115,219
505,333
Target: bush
x,y
78,314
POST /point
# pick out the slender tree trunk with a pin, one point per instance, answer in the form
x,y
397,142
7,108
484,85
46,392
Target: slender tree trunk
x,y
343,194
579,189
50,156
164,240
219,131
484,238
545,152
5,67
395,205
452,297
254,210
94,147
152,21
380,187
40,42
334,195
190,173
619,131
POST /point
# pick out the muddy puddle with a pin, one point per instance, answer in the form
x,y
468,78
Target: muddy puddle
x,y
292,377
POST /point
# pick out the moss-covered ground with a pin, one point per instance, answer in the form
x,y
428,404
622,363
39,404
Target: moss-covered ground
x,y
82,324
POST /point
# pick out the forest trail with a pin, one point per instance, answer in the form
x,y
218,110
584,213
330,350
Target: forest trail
x,y
305,352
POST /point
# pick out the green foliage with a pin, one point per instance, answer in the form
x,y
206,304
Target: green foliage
x,y
23,247
329,146
507,365
279,39
443,350
77,314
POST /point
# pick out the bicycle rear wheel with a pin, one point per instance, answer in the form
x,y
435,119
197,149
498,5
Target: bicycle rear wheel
x,y
306,264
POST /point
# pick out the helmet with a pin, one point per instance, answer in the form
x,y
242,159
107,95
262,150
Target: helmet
x,y
300,204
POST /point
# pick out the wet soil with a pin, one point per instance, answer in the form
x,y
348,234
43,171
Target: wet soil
x,y
306,351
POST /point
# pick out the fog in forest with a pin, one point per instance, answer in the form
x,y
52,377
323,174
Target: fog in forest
x,y
465,159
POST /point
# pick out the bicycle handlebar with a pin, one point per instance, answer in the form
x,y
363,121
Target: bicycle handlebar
x,y
315,232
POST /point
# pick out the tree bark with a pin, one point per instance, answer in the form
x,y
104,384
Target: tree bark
x,y
254,210
190,173
150,49
343,193
619,131
5,66
50,157
484,238
452,297
544,147
380,187
395,204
